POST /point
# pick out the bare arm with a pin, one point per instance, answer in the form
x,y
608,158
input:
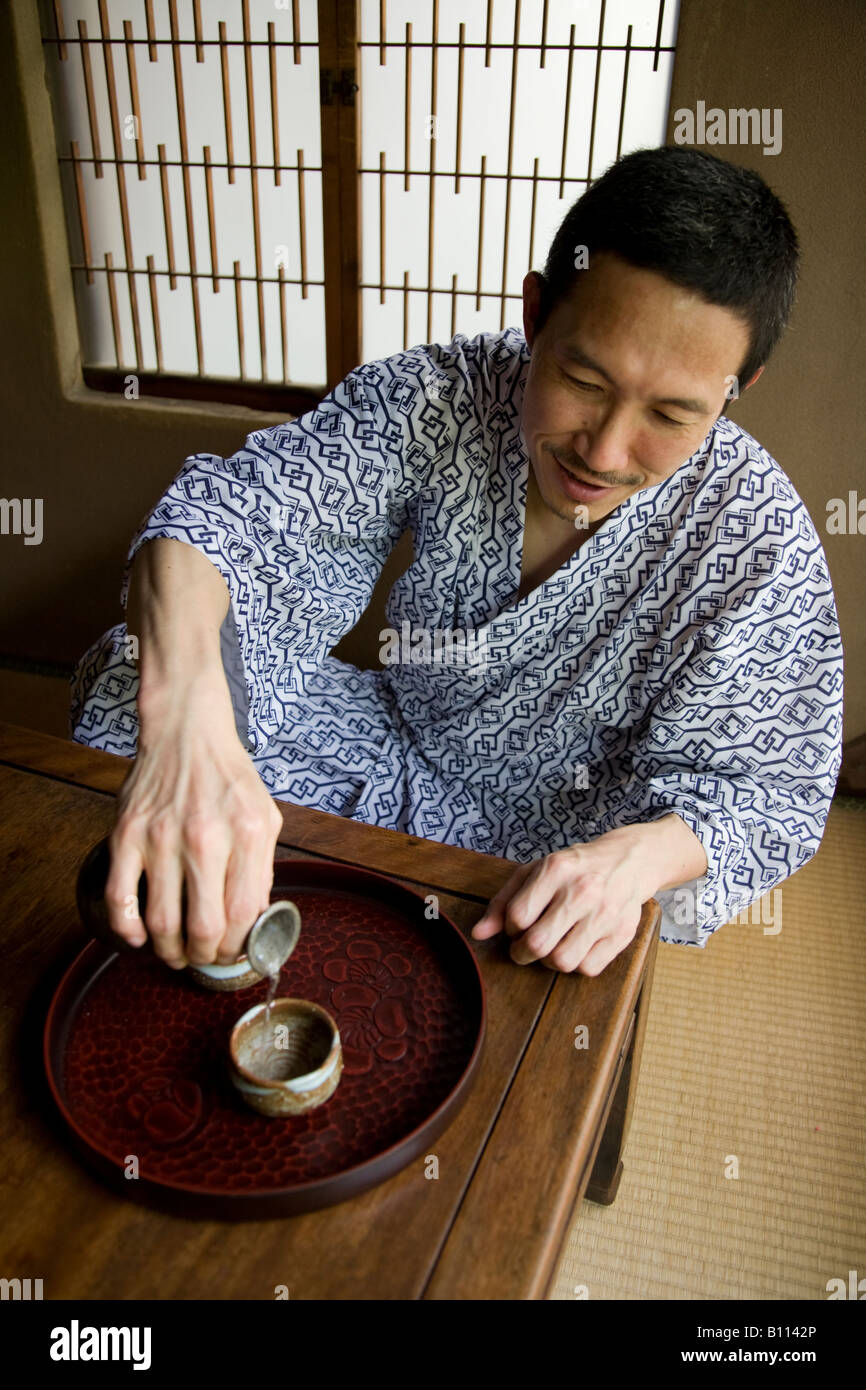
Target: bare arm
x,y
193,807
177,602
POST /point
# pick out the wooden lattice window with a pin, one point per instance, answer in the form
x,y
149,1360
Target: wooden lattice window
x,y
261,194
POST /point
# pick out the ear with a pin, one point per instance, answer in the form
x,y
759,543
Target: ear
x,y
754,379
533,283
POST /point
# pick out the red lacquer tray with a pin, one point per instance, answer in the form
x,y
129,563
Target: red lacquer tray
x,y
136,1056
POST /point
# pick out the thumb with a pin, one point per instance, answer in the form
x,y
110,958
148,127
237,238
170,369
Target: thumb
x,y
493,919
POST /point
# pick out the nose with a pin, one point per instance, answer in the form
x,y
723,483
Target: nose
x,y
604,445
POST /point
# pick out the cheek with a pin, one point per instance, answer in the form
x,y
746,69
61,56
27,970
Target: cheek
x,y
664,454
547,410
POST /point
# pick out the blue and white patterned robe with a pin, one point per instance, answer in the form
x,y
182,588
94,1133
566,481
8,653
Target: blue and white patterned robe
x,y
686,658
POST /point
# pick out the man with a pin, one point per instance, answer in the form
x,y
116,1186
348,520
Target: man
x,y
643,693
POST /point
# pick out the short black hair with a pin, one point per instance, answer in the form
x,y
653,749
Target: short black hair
x,y
712,227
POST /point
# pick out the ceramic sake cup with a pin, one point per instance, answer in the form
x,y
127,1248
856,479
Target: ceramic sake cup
x,y
238,975
289,1065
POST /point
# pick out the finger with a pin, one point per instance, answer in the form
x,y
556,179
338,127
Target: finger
x,y
577,943
514,915
492,921
555,872
553,903
121,892
591,945
598,957
544,935
249,880
269,849
243,895
609,946
266,876
567,911
207,854
163,914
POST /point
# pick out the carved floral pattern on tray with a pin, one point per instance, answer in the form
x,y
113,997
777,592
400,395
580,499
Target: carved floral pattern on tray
x,y
366,993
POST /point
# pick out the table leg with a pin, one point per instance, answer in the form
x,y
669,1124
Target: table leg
x,y
607,1170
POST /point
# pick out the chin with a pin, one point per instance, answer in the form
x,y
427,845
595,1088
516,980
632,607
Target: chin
x,y
564,508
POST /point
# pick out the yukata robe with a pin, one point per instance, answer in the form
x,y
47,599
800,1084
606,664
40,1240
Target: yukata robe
x,y
686,658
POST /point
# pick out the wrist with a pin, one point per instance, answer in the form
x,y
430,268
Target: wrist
x,y
180,696
640,848
660,854
163,671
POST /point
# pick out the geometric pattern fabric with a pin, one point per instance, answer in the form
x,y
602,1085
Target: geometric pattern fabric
x,y
686,658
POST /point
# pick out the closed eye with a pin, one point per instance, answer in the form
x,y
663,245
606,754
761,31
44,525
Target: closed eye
x,y
586,385
591,386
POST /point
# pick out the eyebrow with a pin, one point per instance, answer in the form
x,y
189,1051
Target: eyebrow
x,y
690,404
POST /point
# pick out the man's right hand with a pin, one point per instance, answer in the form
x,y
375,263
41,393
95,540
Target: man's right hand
x,y
193,809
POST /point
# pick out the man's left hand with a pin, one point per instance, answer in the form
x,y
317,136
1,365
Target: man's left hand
x,y
573,910
577,908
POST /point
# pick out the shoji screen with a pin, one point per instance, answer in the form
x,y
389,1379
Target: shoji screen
x,y
481,124
263,193
188,135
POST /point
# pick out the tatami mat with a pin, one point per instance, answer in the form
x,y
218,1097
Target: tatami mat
x,y
755,1050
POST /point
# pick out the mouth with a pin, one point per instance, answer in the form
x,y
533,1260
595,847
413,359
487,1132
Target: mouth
x,y
579,490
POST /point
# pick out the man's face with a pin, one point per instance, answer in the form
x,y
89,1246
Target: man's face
x,y
625,381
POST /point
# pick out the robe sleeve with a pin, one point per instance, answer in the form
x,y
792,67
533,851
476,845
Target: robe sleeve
x,y
744,743
299,522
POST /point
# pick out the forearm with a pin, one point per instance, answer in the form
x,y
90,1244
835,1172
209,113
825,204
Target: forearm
x,y
193,813
176,605
664,853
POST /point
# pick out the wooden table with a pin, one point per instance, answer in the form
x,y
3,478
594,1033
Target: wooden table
x,y
543,1127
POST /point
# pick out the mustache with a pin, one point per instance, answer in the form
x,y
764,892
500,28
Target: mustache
x,y
577,465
